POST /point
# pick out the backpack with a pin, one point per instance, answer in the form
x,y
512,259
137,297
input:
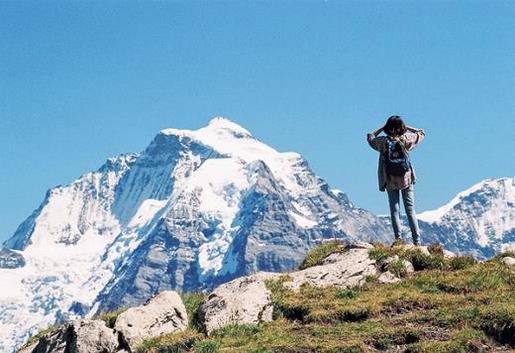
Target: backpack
x,y
397,161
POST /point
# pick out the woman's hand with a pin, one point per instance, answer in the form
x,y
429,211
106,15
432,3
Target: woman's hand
x,y
378,131
412,129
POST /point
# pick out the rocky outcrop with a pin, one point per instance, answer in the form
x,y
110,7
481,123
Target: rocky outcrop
x,y
82,336
11,259
347,269
508,260
245,300
162,314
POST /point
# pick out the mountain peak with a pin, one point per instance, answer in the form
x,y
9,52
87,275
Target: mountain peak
x,y
218,125
505,185
220,122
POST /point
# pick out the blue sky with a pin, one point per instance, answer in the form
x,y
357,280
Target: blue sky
x,y
82,81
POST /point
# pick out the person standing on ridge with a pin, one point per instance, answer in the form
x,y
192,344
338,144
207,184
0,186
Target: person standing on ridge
x,y
396,173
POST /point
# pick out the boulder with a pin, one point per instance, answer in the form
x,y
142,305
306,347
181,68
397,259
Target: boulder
x,y
81,336
344,270
388,277
448,254
245,300
508,260
165,313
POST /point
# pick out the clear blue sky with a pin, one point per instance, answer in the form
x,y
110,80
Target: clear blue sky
x,y
81,81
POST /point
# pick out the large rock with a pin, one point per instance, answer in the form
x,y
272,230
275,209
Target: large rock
x,y
245,300
345,270
11,259
388,277
508,260
165,313
82,336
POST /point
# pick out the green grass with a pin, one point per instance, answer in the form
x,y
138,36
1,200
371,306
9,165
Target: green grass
x,y
38,335
171,343
110,317
448,305
452,305
192,303
315,256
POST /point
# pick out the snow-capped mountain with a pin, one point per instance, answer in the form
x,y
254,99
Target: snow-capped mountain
x,y
478,221
194,209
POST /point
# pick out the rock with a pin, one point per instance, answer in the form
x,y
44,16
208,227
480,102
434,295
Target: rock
x,y
81,336
93,336
245,300
28,349
165,313
357,244
408,266
344,270
448,254
11,259
388,277
508,260
422,249
391,259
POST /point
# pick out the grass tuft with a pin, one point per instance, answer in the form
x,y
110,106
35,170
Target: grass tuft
x,y
110,317
170,343
192,302
316,255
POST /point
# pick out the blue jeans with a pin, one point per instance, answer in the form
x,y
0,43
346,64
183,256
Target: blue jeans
x,y
408,198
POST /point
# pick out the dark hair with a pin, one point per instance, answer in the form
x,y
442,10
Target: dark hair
x,y
394,126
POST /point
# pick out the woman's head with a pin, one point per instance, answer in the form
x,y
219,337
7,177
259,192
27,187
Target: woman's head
x,y
394,126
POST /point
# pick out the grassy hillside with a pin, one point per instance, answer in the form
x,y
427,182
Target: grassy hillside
x,y
447,305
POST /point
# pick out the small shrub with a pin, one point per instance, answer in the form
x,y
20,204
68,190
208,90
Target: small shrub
x,y
110,317
423,261
316,255
461,262
435,249
380,254
398,268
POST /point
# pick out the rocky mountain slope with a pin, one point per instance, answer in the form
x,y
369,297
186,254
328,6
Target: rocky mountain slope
x,y
330,305
478,221
193,210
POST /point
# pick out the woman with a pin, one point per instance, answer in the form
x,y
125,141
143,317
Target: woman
x,y
396,173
